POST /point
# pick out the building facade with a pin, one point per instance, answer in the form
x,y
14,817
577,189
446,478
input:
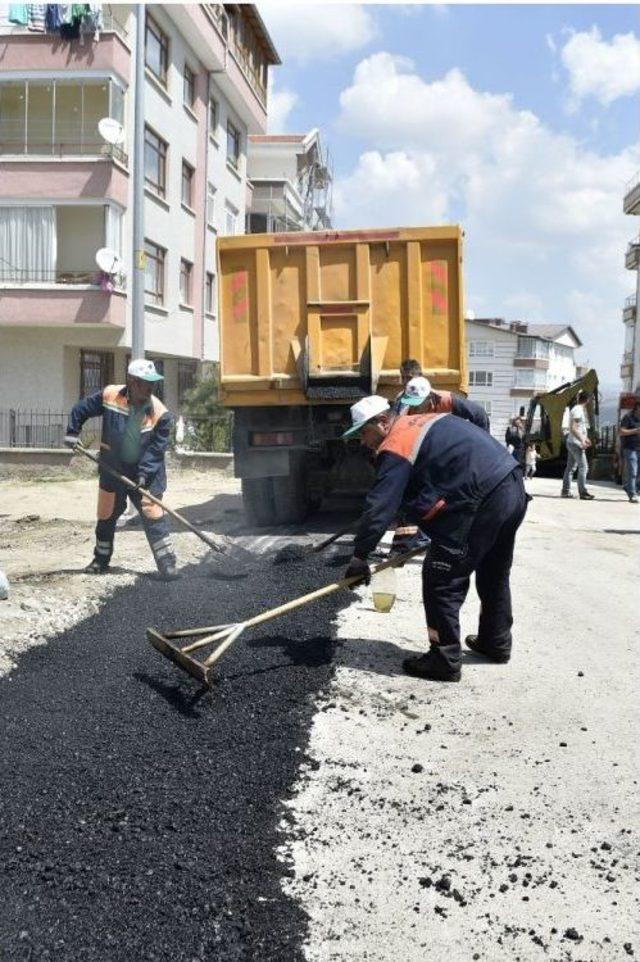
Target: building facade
x,y
510,362
291,183
65,326
630,366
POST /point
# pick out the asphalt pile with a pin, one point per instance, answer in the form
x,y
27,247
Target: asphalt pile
x,y
139,815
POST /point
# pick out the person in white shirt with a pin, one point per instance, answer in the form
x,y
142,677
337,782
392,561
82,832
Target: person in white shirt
x,y
577,444
530,458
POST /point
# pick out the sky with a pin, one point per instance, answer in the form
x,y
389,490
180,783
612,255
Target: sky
x,y
519,122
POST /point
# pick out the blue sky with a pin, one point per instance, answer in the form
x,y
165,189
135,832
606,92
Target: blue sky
x,y
520,122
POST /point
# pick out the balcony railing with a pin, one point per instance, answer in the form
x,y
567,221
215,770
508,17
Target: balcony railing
x,y
632,182
29,276
630,301
61,148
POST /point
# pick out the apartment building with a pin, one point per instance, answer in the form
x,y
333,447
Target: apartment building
x,y
511,361
291,183
65,327
630,366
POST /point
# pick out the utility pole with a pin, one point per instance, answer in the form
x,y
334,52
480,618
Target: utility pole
x,y
139,259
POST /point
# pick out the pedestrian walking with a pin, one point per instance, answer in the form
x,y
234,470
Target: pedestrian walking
x,y
577,439
465,491
630,443
514,438
530,459
135,437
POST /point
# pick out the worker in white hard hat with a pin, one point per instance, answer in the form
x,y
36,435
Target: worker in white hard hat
x,y
466,493
135,436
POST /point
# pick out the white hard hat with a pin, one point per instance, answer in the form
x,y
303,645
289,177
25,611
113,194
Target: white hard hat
x,y
417,390
364,410
144,369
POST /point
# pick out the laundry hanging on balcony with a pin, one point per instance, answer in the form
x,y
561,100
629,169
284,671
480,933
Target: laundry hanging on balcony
x,y
36,17
74,20
19,14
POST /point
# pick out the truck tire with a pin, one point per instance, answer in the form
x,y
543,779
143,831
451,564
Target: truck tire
x,y
258,502
290,494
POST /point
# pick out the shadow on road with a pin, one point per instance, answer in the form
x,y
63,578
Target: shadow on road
x,y
175,695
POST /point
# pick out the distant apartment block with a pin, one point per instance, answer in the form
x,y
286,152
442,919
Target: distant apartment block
x,y
630,366
510,362
65,328
291,183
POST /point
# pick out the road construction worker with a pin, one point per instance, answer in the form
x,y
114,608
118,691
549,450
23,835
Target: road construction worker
x,y
135,436
419,398
409,368
467,493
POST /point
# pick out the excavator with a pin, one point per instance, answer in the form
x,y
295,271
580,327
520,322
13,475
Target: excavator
x,y
547,422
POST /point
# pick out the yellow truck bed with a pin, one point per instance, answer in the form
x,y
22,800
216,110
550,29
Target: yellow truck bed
x,y
303,314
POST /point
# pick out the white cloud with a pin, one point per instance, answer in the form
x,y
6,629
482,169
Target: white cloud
x,y
542,215
315,32
605,70
280,105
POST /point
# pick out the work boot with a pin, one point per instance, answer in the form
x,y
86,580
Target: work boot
x,y
167,570
499,657
566,494
96,567
633,499
585,496
432,666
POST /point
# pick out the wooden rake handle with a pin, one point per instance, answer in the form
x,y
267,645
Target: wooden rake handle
x,y
214,545
288,606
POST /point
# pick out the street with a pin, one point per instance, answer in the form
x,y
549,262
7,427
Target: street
x,y
316,804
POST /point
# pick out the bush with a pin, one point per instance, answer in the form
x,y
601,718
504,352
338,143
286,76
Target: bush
x,y
208,425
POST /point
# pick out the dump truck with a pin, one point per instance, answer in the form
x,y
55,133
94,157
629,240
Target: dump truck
x,y
548,420
310,323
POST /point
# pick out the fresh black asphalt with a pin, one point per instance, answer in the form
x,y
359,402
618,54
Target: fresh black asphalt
x,y
139,814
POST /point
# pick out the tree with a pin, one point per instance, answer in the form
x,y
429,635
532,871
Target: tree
x,y
208,425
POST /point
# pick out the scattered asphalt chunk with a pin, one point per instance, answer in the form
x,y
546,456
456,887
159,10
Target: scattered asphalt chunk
x,y
573,935
417,768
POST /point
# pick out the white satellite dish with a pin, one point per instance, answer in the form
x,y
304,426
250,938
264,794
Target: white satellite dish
x,y
110,130
109,261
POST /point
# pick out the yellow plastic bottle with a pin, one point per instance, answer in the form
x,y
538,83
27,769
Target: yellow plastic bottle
x,y
384,589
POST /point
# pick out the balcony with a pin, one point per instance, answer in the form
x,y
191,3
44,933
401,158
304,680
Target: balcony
x,y
629,309
540,363
632,256
59,118
631,202
48,273
21,48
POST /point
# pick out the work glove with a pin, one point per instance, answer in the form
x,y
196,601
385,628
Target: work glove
x,y
141,481
358,569
71,441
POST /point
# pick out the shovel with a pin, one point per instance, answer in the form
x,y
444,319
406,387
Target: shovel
x,y
218,546
223,636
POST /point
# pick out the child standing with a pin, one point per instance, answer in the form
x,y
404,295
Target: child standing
x,y
530,458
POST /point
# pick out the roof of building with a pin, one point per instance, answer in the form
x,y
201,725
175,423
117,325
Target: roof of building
x,y
260,28
547,332
306,139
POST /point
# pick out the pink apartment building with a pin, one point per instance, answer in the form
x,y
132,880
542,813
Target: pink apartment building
x,y
65,192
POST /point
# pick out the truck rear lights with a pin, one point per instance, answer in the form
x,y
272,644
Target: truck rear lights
x,y
272,439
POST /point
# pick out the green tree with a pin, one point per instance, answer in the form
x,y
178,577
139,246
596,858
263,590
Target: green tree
x,y
208,425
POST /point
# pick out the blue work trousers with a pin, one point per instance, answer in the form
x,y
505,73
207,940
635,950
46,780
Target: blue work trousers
x,y
488,552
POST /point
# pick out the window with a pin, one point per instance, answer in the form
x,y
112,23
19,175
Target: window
x,y
480,378
480,348
210,294
155,162
532,347
186,379
156,50
188,86
528,377
231,219
154,273
233,145
187,184
186,267
213,116
96,371
211,205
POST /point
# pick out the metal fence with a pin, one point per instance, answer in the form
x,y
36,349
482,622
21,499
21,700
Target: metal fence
x,y
606,441
46,429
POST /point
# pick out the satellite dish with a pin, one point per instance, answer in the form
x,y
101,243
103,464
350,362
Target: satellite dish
x,y
109,261
110,130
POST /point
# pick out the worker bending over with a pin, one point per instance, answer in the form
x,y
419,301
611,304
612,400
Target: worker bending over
x,y
467,493
135,436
